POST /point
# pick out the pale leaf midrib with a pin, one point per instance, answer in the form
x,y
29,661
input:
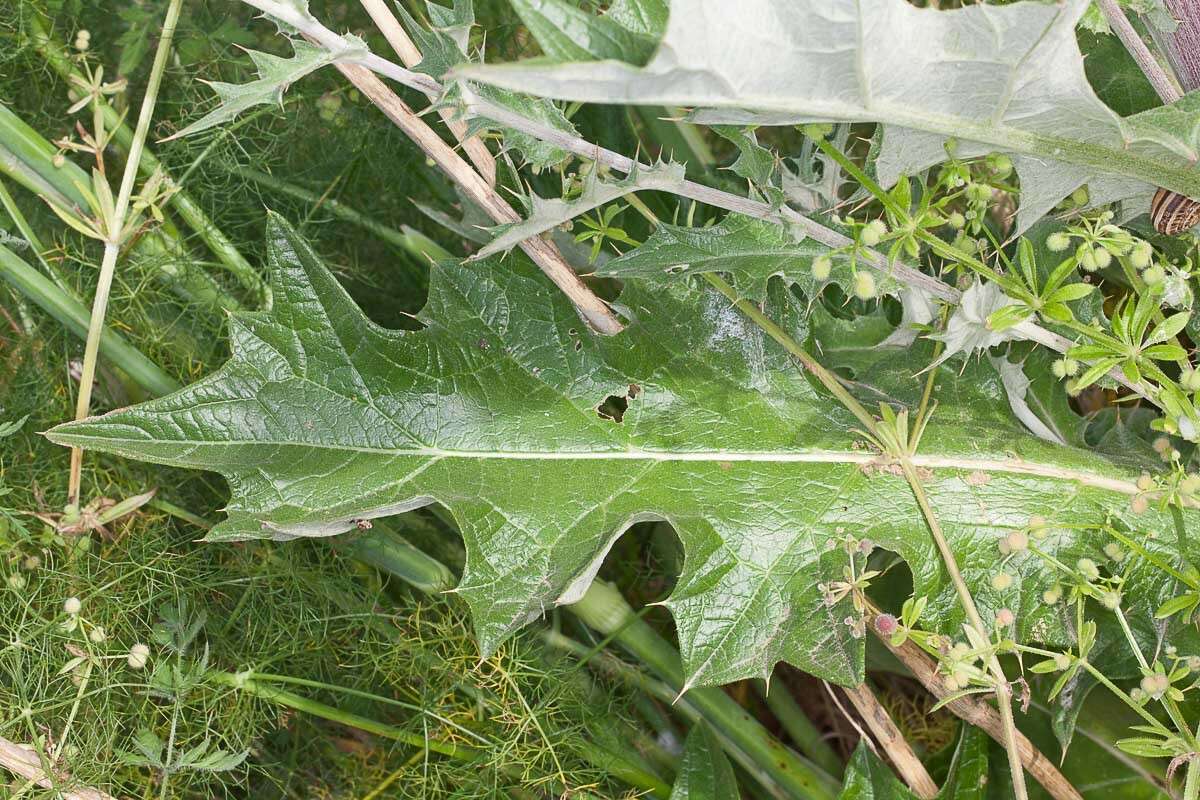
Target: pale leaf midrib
x,y
862,458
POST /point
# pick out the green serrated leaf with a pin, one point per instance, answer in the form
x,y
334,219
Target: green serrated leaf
x,y
755,163
750,251
536,152
275,75
548,214
322,419
566,32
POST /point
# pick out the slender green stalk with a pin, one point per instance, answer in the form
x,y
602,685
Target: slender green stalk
x,y
604,609
406,241
112,246
1003,691
392,554
1172,708
319,709
26,230
147,163
75,317
802,731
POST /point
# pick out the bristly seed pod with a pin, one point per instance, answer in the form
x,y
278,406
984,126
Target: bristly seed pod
x,y
1172,213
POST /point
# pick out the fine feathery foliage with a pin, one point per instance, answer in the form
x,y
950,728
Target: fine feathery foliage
x,y
322,419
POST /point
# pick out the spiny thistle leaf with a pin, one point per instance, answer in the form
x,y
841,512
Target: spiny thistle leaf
x,y
750,251
566,32
444,45
1004,78
276,74
322,419
548,214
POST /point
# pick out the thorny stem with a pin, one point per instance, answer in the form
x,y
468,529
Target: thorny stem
x,y
112,246
1166,88
542,252
396,36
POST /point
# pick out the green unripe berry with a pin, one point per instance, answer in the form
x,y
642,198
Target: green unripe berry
x,y
821,267
1058,241
873,231
1065,368
1088,569
956,220
864,285
1155,275
1141,254
979,192
1102,256
1086,256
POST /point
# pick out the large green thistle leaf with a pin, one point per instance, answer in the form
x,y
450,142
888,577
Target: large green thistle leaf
x,y
321,419
985,77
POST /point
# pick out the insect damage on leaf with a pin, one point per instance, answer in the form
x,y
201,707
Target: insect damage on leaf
x,y
321,420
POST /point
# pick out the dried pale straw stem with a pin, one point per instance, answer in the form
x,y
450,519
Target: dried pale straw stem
x,y
24,762
394,32
981,715
541,252
892,741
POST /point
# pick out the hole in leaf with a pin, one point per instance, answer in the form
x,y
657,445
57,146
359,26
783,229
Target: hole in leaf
x,y
613,407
